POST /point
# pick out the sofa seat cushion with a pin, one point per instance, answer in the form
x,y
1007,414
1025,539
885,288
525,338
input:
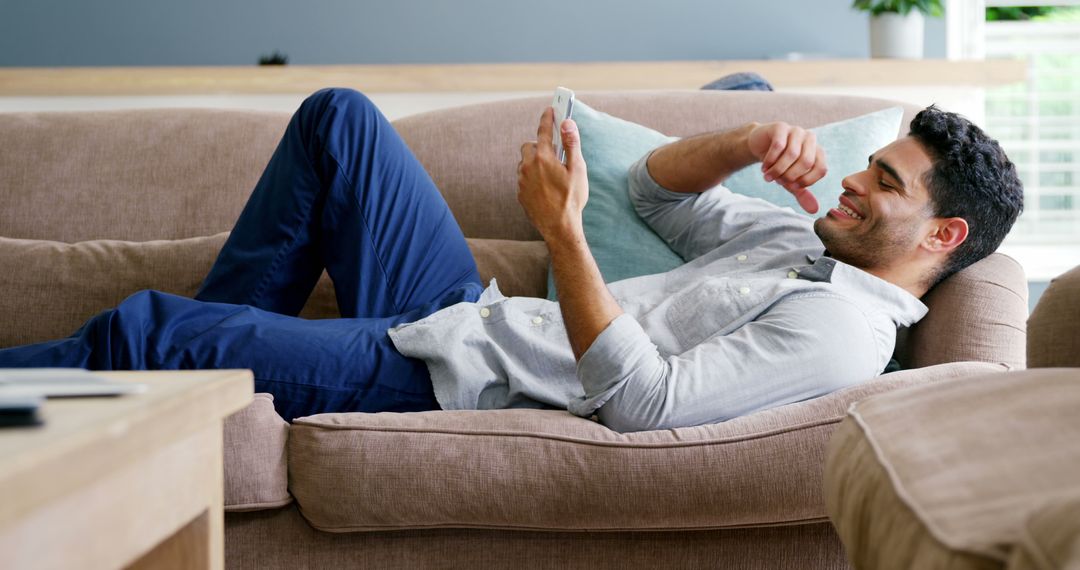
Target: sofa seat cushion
x,y
947,475
52,287
549,470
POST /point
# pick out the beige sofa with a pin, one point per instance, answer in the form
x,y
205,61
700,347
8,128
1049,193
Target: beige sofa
x,y
971,473
100,204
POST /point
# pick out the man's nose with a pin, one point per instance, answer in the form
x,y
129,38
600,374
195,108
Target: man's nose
x,y
854,183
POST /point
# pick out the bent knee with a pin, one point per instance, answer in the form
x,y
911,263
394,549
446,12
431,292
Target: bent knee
x,y
150,301
143,297
341,97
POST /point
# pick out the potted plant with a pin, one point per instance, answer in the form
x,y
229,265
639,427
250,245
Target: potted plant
x,y
896,26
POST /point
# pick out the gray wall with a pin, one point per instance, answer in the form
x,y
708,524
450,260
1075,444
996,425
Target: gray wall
x,y
237,32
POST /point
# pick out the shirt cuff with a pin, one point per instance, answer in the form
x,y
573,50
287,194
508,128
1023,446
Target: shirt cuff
x,y
621,352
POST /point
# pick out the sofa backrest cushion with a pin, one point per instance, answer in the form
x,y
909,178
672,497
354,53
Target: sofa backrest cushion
x,y
150,174
50,288
138,175
184,174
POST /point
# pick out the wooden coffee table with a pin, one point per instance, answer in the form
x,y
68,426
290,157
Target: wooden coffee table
x,y
126,481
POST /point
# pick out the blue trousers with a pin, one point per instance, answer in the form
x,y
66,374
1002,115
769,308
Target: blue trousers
x,y
342,192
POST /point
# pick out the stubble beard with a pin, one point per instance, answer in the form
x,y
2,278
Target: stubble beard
x,y
871,248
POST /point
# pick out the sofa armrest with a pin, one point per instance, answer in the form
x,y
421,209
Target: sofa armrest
x,y
945,475
1050,538
256,473
1054,326
978,314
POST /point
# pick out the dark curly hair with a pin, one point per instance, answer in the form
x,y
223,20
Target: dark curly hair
x,y
971,178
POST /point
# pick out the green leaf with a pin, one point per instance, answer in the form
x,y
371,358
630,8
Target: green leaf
x,y
904,7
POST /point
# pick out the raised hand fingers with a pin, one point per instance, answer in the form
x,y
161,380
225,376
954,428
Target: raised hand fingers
x,y
790,156
796,159
528,149
546,130
799,188
777,143
806,199
817,172
528,154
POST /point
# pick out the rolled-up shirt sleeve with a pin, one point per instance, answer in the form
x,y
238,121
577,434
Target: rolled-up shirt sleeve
x,y
693,224
796,351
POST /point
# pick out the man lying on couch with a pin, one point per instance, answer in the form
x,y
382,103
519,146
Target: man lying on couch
x,y
771,307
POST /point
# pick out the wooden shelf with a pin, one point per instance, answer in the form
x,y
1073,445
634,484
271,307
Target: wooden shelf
x,y
610,76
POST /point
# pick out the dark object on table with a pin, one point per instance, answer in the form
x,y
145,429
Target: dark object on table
x,y
276,58
19,411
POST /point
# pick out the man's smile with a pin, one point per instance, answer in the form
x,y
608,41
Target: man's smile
x,y
846,209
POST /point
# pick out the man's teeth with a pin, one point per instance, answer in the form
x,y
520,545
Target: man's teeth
x,y
848,211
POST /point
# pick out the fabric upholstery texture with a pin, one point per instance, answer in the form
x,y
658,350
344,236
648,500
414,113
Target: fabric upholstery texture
x,y
867,499
180,173
549,470
63,284
977,314
58,286
256,470
1052,328
282,539
138,175
1050,539
519,266
946,475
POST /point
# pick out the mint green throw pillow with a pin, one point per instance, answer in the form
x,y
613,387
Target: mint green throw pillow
x,y
625,246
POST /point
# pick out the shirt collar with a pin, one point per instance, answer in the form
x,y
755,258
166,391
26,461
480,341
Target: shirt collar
x,y
904,308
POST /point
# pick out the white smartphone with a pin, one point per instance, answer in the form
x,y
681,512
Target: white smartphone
x,y
563,103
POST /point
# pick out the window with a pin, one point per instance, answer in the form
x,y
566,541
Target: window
x,y
1037,122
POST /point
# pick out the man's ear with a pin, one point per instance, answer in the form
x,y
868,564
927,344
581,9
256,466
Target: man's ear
x,y
948,234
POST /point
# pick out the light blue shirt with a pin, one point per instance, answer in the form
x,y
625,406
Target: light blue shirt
x,y
756,318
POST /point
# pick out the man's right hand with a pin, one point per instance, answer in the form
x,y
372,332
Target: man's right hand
x,y
789,156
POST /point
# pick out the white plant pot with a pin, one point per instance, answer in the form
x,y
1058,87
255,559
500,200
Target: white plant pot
x,y
896,36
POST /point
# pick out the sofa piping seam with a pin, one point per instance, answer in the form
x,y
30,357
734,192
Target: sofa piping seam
x,y
358,528
566,439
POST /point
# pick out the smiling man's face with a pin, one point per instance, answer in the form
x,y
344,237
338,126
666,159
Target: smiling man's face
x,y
884,211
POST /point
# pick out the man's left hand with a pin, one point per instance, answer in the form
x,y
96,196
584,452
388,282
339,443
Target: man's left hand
x,y
553,194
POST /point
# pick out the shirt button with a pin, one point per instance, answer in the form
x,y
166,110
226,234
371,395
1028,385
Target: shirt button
x,y
744,290
792,274
741,258
537,320
485,312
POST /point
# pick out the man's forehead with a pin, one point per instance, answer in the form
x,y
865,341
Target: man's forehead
x,y
907,157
